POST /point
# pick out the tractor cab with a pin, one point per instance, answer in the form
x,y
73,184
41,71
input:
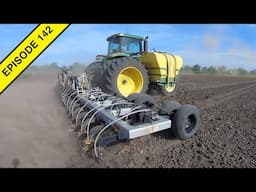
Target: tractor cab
x,y
124,45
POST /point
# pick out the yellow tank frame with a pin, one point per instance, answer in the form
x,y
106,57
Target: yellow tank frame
x,y
163,68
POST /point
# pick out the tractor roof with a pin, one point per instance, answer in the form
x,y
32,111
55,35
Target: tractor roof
x,y
125,35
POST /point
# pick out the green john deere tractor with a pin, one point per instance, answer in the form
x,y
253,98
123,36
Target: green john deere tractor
x,y
129,68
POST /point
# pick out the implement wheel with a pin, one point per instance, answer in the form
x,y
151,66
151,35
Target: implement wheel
x,y
185,121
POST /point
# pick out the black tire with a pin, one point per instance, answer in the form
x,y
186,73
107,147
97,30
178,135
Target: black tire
x,y
95,73
141,99
165,92
115,66
185,122
169,107
133,97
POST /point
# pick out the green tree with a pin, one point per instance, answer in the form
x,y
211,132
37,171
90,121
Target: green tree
x,y
241,71
204,69
187,68
54,65
77,68
222,69
253,72
211,70
196,68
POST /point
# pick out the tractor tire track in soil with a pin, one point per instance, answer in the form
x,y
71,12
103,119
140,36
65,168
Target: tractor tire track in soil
x,y
215,100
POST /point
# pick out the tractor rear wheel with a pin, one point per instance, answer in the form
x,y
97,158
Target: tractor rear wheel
x,y
126,76
95,74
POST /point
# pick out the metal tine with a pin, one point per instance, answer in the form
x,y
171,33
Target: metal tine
x,y
65,98
93,131
70,98
74,100
85,116
73,107
81,109
111,123
62,88
102,108
87,102
65,90
64,94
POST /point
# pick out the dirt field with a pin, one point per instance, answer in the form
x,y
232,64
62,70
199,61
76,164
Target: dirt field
x,y
35,129
34,126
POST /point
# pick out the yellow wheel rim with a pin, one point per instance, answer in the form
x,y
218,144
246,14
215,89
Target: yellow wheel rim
x,y
129,81
169,88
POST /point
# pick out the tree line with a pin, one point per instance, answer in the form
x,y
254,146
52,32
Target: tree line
x,y
217,70
222,70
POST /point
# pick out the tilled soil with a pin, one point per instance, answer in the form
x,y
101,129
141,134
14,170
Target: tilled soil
x,y
227,136
35,129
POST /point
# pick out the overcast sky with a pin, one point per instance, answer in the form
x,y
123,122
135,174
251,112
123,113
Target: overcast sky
x,y
232,45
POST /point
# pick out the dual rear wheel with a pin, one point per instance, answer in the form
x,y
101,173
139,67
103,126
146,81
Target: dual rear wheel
x,y
122,76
